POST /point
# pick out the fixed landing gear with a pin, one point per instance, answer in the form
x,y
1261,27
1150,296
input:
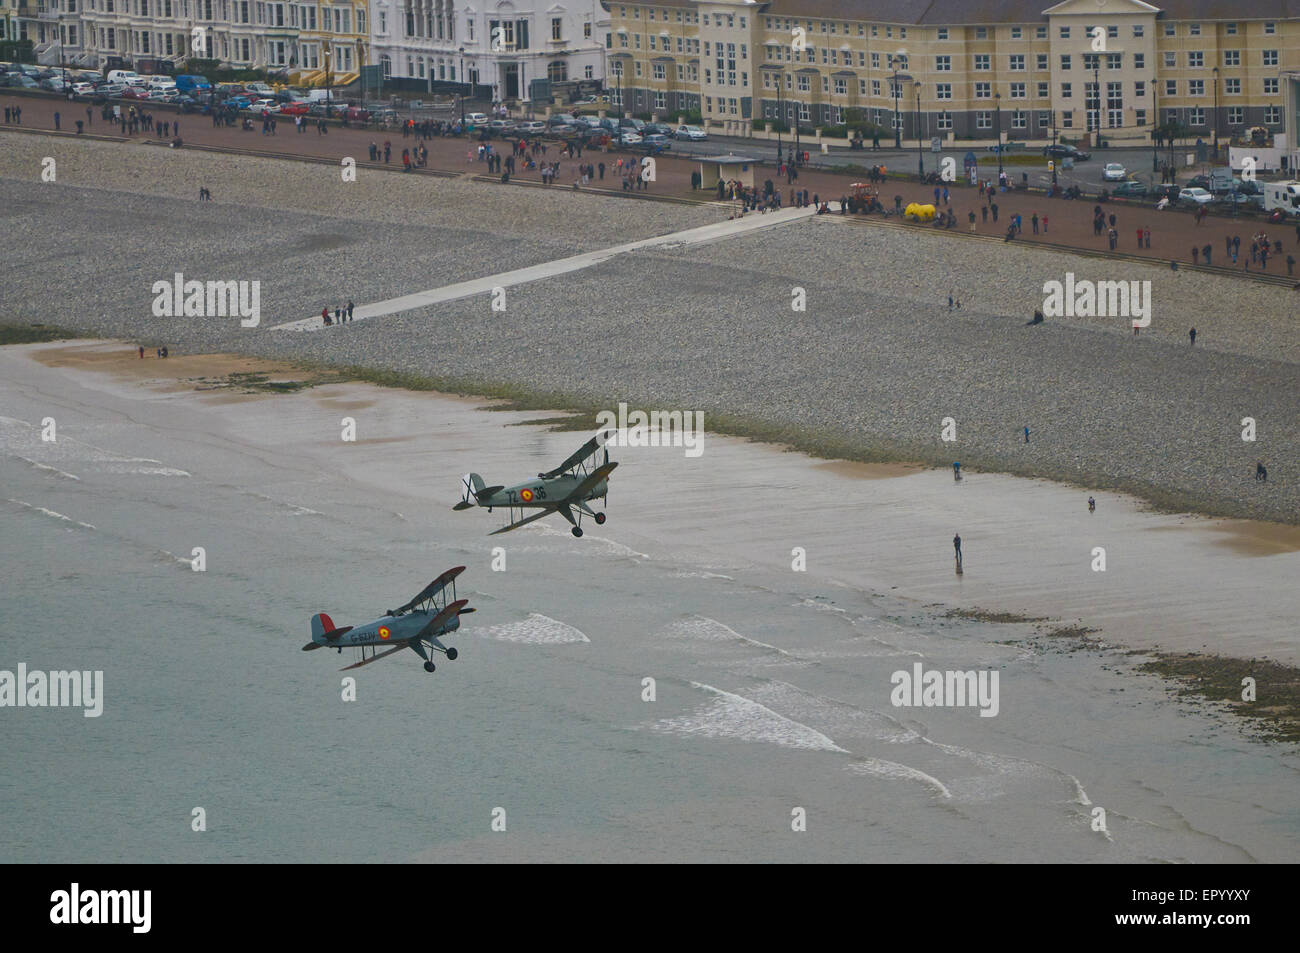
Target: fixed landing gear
x,y
451,655
600,519
429,666
577,531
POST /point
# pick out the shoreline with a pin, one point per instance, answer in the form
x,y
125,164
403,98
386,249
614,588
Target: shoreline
x,y
1212,676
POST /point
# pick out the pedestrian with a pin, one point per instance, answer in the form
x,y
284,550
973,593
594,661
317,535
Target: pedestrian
x,y
1146,235
90,121
1205,253
971,216
945,196
1290,264
950,301
1261,474
142,352
1139,238
1192,335
600,167
1195,254
1033,222
56,122
1113,237
325,314
984,213
956,545
1026,435
350,309
937,193
993,207
1044,224
956,471
1092,505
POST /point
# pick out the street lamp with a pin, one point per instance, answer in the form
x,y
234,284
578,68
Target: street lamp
x,y
1155,128
462,79
780,114
997,111
894,62
327,78
920,156
1056,160
1214,157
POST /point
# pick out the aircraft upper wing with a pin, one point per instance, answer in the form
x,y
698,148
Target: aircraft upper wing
x,y
441,619
598,474
582,453
375,658
536,516
432,589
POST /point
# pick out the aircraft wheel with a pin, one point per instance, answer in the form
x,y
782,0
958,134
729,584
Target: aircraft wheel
x,y
577,531
429,666
600,519
451,655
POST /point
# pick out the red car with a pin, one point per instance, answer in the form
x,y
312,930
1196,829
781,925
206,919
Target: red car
x,y
294,109
135,92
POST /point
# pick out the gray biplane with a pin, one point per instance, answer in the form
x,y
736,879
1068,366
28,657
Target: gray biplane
x,y
434,612
565,490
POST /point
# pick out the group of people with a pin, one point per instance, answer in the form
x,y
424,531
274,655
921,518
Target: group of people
x,y
342,313
159,352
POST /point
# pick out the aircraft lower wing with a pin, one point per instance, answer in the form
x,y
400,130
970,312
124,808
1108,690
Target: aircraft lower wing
x,y
376,657
524,522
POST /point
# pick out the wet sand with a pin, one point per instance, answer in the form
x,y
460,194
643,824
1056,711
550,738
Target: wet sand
x,y
1173,582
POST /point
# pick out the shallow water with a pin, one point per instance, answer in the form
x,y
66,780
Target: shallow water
x,y
772,687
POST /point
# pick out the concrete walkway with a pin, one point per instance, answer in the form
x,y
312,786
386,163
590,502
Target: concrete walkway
x,y
561,266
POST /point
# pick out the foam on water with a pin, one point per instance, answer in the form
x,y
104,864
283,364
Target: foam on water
x,y
44,466
44,512
894,771
734,716
537,629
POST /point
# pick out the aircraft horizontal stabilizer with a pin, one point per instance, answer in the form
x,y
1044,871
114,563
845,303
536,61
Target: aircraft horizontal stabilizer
x,y
312,645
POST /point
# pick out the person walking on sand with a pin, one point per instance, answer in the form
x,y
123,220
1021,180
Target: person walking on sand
x,y
956,545
1192,335
1092,505
1261,474
956,471
1026,435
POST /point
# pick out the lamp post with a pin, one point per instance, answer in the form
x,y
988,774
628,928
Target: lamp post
x,y
920,155
1056,160
328,77
894,62
462,79
780,114
1155,128
1214,156
997,112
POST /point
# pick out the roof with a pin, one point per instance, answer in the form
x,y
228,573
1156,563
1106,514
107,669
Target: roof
x,y
984,12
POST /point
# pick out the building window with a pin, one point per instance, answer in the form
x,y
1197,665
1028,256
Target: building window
x,y
1232,57
1236,115
943,64
981,33
1139,89
983,90
1270,29
1195,59
1139,61
1017,90
1138,31
1040,62
1044,90
1193,29
1171,87
1270,57
984,120
1015,33
1065,62
943,33
1232,87
1065,32
1017,62
1066,90
1114,60
1171,60
1196,87
1270,86
982,61
944,120
943,91
1273,115
1196,116
1230,29
1019,119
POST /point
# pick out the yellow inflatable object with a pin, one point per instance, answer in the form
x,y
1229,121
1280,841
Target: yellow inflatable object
x,y
922,213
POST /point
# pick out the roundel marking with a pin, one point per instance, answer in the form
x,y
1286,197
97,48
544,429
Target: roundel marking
x,y
384,632
526,496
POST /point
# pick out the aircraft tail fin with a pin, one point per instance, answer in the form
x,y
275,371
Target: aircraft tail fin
x,y
320,624
471,485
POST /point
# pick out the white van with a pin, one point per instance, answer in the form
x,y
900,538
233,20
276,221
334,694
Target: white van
x,y
1283,195
128,76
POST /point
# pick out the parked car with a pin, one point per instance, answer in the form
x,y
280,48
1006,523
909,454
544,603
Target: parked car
x,y
1131,188
628,137
1196,195
692,133
476,119
83,88
655,143
258,105
1114,172
112,89
238,102
356,114
657,129
187,103
629,123
20,81
531,129
501,126
258,89
53,84
135,92
1063,150
562,119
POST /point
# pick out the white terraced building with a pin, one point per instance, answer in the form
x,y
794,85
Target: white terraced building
x,y
502,45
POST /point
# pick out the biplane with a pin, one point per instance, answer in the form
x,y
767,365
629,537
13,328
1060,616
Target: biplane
x,y
417,625
565,490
